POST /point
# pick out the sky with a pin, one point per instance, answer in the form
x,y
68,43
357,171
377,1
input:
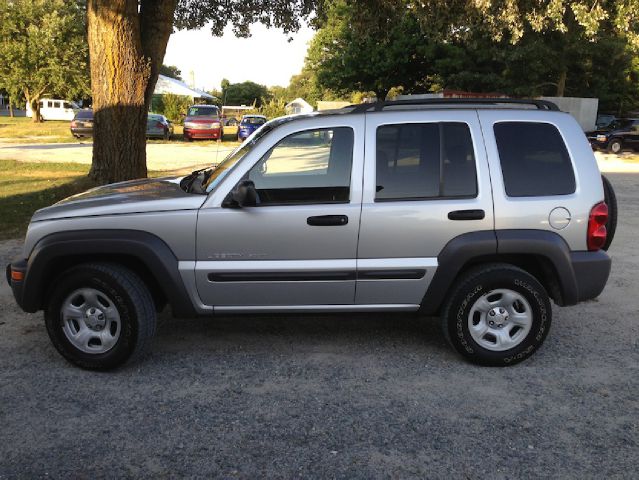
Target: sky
x,y
266,57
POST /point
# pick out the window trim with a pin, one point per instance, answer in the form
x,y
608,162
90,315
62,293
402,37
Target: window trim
x,y
440,124
325,202
566,147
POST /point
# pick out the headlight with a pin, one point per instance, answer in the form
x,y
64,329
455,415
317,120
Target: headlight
x,y
215,125
190,125
601,138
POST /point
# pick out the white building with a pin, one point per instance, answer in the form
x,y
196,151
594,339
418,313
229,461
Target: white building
x,y
299,105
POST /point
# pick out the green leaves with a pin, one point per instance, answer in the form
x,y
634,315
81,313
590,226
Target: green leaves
x,y
43,48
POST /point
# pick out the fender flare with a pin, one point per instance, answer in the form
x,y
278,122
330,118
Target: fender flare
x,y
147,248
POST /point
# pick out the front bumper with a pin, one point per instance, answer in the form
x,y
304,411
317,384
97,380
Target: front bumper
x,y
597,144
17,286
213,133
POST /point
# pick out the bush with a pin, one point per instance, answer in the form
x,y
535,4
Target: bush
x,y
172,106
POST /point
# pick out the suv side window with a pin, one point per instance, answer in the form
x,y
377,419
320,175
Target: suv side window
x,y
313,166
425,160
534,159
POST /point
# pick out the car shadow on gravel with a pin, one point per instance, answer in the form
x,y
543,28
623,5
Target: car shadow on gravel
x,y
294,333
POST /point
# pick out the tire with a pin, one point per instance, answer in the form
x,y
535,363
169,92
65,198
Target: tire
x,y
611,200
187,138
167,135
615,146
88,341
489,286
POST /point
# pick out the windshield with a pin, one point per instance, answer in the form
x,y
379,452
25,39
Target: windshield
x,y
253,121
202,111
620,123
219,172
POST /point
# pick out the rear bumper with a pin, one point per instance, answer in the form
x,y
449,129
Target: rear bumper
x,y
17,286
591,270
83,132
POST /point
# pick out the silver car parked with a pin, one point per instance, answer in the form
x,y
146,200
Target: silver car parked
x,y
479,211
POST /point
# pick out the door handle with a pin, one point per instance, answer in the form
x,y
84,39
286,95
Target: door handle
x,y
327,220
466,215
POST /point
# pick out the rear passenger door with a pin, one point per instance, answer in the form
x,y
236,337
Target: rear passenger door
x,y
426,182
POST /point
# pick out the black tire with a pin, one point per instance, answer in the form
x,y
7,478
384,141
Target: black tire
x,y
611,200
188,139
129,295
615,146
478,282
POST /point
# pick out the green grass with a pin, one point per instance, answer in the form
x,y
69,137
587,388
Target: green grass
x,y
26,187
23,130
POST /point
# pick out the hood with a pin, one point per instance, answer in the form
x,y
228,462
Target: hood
x,y
137,196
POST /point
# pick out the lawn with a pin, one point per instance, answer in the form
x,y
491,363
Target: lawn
x,y
26,187
23,130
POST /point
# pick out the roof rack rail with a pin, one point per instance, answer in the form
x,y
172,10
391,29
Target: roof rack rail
x,y
377,106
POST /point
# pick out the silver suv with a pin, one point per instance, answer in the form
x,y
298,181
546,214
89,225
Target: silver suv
x,y
481,211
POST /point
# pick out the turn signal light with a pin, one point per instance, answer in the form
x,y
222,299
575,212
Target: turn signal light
x,y
16,275
597,226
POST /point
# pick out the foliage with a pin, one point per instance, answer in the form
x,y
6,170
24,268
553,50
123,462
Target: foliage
x,y
273,108
391,51
171,71
172,106
245,93
43,49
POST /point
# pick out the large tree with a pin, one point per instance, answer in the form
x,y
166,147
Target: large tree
x,y
43,50
245,93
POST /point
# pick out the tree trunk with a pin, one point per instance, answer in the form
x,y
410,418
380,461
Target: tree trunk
x,y
126,48
561,83
10,107
34,103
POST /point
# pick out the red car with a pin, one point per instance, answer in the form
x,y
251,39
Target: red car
x,y
203,121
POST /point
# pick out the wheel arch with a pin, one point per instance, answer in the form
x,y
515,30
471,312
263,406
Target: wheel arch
x,y
142,252
543,254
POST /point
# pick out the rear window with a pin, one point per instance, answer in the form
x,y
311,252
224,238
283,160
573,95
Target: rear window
x,y
84,114
425,160
253,121
534,159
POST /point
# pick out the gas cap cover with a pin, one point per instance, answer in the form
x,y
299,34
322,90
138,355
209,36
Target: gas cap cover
x,y
559,218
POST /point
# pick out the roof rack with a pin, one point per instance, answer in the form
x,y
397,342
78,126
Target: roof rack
x,y
377,106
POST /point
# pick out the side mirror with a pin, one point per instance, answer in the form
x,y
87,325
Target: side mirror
x,y
243,195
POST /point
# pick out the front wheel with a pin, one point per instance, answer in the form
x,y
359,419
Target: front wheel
x,y
615,146
497,315
100,315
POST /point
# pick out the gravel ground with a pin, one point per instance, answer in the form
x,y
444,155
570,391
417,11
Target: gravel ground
x,y
333,397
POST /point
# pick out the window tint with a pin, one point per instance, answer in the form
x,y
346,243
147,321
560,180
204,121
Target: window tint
x,y
427,160
203,111
534,159
313,166
84,114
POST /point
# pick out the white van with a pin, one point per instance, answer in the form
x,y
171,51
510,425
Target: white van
x,y
55,109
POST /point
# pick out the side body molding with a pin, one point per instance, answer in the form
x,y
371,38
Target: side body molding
x,y
52,251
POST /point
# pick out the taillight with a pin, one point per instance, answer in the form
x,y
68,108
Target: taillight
x,y
73,124
597,226
159,125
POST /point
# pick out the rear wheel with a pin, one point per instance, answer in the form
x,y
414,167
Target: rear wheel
x,y
497,315
100,315
611,200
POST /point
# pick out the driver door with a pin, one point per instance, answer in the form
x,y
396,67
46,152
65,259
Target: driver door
x,y
298,245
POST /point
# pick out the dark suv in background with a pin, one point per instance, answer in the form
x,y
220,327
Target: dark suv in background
x,y
621,133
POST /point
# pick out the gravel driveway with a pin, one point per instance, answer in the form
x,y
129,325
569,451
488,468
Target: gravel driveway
x,y
333,397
